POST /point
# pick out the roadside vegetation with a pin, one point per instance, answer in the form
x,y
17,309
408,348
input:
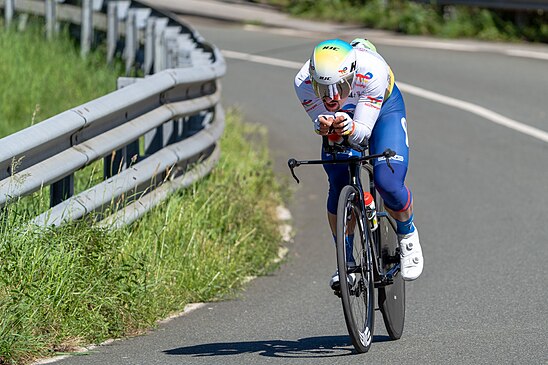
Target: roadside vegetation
x,y
414,18
61,288
41,78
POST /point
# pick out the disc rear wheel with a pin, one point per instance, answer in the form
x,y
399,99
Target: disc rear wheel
x,y
391,297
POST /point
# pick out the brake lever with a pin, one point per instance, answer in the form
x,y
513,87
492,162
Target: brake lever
x,y
292,163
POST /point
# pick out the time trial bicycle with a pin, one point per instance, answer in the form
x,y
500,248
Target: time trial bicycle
x,y
373,261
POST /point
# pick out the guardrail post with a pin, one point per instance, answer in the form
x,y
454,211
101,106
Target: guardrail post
x,y
61,190
170,45
159,58
149,46
122,158
154,141
8,12
112,30
87,27
194,124
51,19
136,21
114,163
129,49
184,55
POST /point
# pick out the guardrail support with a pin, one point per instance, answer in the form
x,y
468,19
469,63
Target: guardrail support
x,y
184,55
169,45
61,190
159,57
8,12
149,46
87,27
51,18
131,35
112,30
122,158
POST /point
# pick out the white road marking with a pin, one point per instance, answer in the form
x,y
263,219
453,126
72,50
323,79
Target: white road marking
x,y
261,59
527,54
417,91
414,43
476,109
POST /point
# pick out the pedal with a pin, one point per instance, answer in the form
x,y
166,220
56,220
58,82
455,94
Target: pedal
x,y
337,293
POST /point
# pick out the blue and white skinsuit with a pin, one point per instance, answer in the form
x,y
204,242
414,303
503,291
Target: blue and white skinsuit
x,y
376,103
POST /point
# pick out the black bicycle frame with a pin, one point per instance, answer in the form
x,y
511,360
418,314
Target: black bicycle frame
x,y
354,165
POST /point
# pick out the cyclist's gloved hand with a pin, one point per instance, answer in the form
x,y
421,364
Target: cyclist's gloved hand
x,y
343,124
322,124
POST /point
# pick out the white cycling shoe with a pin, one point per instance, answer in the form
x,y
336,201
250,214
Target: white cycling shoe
x,y
411,258
335,284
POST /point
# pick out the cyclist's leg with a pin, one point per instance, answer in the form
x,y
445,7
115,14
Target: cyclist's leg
x,y
338,177
391,132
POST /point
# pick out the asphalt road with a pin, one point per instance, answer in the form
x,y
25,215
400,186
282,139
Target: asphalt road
x,y
481,201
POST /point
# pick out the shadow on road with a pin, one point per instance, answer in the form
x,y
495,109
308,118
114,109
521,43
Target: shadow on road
x,y
325,346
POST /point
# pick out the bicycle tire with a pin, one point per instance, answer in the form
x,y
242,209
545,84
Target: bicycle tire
x,y
358,299
391,298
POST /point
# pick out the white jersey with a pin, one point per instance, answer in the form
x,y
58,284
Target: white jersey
x,y
373,83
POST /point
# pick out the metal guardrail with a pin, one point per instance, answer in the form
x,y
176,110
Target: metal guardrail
x,y
174,113
525,5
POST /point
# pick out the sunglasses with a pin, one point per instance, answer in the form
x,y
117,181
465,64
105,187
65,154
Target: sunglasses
x,y
337,91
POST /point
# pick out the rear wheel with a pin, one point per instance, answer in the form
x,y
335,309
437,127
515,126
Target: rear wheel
x,y
355,265
391,298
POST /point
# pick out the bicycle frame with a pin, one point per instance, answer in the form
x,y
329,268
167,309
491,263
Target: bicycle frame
x,y
355,164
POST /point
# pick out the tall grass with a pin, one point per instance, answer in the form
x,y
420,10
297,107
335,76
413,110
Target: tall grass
x,y
41,78
78,284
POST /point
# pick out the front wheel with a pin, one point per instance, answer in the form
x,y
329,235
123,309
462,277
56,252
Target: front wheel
x,y
355,265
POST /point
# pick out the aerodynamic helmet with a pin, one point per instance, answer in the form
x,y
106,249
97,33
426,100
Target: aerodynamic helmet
x,y
332,69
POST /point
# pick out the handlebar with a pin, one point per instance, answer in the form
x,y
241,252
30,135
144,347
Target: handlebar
x,y
293,163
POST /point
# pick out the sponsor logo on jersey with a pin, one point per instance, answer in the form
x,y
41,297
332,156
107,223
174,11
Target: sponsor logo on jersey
x,y
374,102
367,76
310,105
361,79
377,100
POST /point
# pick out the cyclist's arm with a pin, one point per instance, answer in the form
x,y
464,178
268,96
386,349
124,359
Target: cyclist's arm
x,y
371,84
312,104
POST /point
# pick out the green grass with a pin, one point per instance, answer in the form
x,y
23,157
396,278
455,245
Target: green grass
x,y
78,284
39,78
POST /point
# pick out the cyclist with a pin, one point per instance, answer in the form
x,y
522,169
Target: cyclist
x,y
348,89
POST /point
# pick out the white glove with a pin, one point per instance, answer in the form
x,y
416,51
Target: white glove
x,y
317,123
347,126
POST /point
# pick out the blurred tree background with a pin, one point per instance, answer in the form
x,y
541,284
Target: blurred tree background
x,y
425,18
